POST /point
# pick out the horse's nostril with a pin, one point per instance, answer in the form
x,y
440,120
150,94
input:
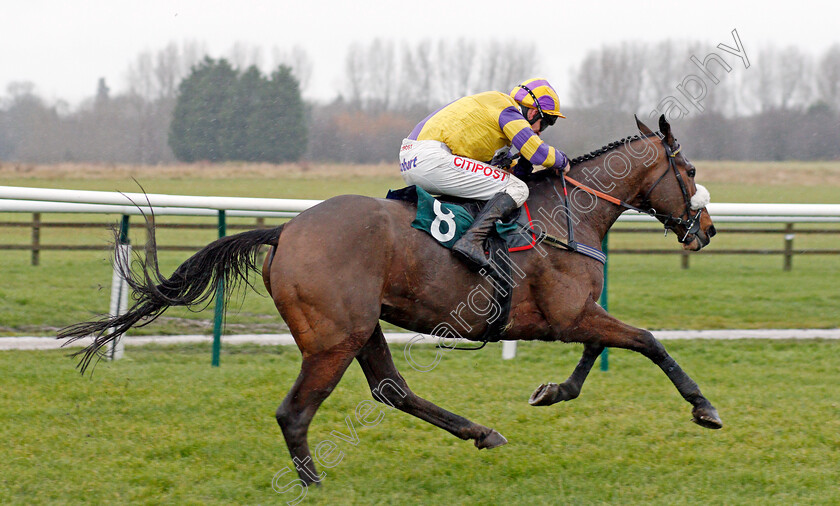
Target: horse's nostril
x,y
712,231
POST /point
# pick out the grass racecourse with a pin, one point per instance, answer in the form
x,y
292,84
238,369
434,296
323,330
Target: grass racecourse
x,y
161,426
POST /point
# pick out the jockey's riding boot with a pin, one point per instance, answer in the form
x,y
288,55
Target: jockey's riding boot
x,y
470,247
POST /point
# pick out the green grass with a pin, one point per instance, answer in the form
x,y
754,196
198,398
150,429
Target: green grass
x,y
162,426
720,292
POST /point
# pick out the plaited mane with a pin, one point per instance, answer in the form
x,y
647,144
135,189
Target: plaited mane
x,y
539,174
607,148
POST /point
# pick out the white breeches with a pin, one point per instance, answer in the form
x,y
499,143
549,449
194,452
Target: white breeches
x,y
432,166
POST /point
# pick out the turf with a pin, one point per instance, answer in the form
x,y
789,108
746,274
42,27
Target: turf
x,y
162,426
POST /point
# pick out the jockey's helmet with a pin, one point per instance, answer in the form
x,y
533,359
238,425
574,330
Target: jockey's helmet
x,y
538,94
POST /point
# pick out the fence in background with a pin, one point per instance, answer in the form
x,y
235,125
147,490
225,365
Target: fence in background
x,y
786,231
40,201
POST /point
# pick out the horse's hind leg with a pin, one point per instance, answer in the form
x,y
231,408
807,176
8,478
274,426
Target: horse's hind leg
x,y
389,387
550,393
319,373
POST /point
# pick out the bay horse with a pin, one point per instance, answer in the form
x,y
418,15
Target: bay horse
x,y
339,267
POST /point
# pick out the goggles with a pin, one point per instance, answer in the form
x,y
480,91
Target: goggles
x,y
547,121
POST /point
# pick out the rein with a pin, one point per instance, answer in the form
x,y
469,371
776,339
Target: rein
x,y
692,224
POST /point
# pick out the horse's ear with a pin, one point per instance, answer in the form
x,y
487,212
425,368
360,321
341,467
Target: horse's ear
x,y
665,128
642,127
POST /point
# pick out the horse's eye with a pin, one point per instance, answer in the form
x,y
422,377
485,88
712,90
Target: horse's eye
x,y
692,172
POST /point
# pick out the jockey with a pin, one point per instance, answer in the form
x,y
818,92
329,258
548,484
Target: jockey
x,y
461,150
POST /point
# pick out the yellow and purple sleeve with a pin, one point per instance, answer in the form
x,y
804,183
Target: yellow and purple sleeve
x,y
516,128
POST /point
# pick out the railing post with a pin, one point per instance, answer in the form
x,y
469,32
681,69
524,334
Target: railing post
x,y
219,309
150,231
605,247
36,238
685,259
119,287
788,246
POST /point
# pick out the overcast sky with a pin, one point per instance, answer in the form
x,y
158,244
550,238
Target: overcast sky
x,y
65,46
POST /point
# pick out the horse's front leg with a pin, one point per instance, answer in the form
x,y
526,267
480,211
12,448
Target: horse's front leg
x,y
550,393
598,328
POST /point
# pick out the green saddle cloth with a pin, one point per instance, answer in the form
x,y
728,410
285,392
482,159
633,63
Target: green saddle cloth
x,y
447,222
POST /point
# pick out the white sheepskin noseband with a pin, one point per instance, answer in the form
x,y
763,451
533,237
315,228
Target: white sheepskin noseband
x,y
700,199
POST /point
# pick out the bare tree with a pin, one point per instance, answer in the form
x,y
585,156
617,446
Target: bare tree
x,y
418,73
666,65
141,76
725,97
242,55
298,60
382,75
371,75
34,126
153,80
502,64
168,70
781,79
794,71
380,78
192,52
611,78
455,69
156,76
354,74
828,77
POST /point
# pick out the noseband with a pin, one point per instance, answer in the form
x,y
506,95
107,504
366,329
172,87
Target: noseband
x,y
691,224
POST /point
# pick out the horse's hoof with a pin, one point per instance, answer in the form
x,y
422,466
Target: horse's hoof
x,y
706,416
544,395
492,440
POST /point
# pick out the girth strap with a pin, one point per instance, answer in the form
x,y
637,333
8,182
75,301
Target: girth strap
x,y
575,246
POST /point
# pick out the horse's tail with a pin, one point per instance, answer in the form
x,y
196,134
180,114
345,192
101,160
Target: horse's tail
x,y
193,283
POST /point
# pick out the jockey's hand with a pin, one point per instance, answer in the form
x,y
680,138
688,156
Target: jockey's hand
x,y
564,169
523,167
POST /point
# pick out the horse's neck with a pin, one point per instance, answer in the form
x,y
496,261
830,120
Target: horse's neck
x,y
592,216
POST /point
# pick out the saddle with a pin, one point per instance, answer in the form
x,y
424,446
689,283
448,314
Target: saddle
x,y
515,234
516,231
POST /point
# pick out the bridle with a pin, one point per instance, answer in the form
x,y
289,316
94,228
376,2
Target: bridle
x,y
691,223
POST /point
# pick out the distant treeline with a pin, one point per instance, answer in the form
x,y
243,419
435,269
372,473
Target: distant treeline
x,y
767,104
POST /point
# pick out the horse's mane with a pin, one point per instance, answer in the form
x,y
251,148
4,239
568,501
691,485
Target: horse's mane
x,y
604,149
540,174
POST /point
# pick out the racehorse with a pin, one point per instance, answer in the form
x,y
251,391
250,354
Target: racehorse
x,y
339,267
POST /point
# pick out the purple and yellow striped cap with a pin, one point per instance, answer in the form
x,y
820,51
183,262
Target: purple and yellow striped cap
x,y
549,103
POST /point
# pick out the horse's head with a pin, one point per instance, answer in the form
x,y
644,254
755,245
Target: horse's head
x,y
672,195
